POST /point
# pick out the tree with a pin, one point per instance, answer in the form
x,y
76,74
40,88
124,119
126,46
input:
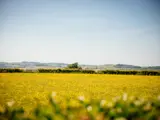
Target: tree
x,y
73,65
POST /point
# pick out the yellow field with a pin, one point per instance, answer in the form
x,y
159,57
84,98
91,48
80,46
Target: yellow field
x,y
27,88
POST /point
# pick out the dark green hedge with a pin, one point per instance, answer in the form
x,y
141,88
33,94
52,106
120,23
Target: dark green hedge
x,y
14,70
121,72
66,71
129,72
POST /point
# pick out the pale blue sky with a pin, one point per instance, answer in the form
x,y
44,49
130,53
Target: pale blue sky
x,y
86,31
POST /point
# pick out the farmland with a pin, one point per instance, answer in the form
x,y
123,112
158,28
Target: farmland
x,y
28,88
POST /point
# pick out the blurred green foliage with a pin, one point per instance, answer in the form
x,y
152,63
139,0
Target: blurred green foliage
x,y
120,108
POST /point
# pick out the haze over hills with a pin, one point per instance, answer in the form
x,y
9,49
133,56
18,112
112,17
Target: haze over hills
x,y
36,65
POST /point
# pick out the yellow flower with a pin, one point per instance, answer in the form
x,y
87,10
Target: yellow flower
x,y
103,102
137,102
81,98
54,94
125,96
110,104
11,103
89,108
159,97
121,118
115,99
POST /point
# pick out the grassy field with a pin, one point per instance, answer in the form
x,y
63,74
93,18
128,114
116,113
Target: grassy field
x,y
26,88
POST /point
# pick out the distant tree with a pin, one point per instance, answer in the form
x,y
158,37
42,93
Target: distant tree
x,y
73,65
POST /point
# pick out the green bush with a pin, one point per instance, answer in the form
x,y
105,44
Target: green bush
x,y
120,108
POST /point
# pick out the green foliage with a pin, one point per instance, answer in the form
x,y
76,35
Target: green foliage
x,y
120,108
118,72
11,70
66,71
74,68
129,72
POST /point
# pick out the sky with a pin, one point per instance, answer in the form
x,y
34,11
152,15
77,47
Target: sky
x,y
84,31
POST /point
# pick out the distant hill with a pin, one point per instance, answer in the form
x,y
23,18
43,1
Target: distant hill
x,y
36,65
127,66
26,64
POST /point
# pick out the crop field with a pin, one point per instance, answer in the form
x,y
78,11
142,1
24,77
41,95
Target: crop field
x,y
26,89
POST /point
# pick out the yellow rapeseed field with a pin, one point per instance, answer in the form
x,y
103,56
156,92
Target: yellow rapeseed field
x,y
26,89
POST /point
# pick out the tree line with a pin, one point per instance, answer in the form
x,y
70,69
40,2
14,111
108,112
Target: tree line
x,y
69,70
